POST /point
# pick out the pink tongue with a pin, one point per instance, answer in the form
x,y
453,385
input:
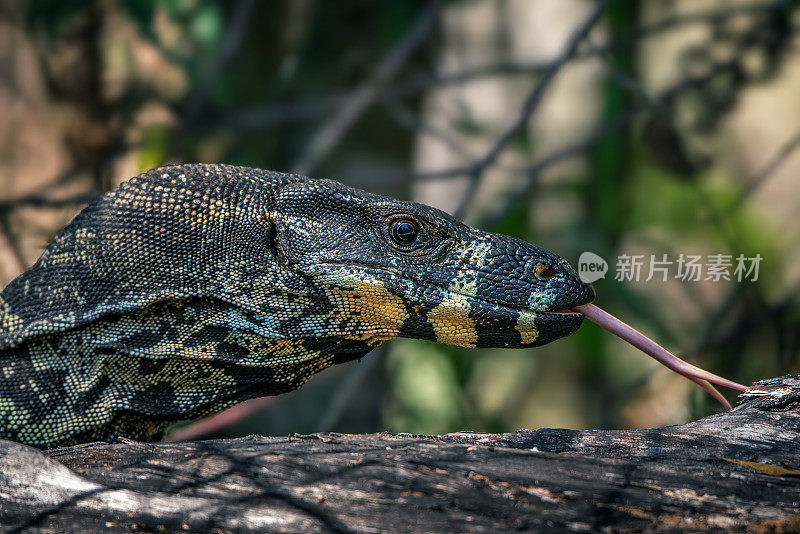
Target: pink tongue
x,y
648,346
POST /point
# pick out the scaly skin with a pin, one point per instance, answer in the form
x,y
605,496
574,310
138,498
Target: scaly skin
x,y
191,288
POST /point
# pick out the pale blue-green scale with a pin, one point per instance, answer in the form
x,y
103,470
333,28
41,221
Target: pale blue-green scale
x,y
268,325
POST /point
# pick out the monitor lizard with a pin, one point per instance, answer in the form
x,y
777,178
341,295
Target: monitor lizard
x,y
193,287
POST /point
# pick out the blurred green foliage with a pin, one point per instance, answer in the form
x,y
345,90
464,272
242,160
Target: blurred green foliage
x,y
264,77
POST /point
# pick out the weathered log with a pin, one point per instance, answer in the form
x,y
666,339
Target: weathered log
x,y
734,471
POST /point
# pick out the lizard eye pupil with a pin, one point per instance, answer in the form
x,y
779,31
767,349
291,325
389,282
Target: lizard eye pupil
x,y
543,271
403,232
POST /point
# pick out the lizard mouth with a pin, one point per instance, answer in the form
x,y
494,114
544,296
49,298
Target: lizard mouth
x,y
465,320
455,317
567,311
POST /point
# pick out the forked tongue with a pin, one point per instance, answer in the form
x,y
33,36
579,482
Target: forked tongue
x,y
645,344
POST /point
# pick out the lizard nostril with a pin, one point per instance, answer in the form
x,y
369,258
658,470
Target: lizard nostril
x,y
543,271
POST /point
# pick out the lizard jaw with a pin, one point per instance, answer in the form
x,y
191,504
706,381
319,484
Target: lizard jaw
x,y
467,321
398,306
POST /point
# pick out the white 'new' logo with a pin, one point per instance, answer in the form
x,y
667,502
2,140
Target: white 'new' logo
x,y
591,267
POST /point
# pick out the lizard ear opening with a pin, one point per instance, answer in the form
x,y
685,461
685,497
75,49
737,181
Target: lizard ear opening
x,y
272,237
270,242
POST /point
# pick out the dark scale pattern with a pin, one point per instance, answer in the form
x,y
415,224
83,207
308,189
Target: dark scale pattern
x,y
190,288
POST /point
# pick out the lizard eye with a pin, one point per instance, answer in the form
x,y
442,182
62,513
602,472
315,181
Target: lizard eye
x,y
543,271
403,232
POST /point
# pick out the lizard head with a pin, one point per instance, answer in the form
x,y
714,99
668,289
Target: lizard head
x,y
400,269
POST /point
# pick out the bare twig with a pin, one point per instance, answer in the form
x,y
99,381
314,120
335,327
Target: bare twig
x,y
13,242
38,201
764,174
535,97
332,132
531,104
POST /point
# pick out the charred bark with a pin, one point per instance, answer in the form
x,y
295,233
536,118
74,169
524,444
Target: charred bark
x,y
734,471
